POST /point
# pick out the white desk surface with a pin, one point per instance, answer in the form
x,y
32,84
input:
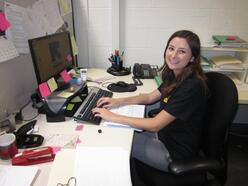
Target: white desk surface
x,y
89,136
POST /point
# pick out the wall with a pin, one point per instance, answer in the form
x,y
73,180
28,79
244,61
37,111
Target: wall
x,y
145,25
17,76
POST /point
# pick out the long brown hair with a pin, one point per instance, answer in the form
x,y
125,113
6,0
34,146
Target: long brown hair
x,y
172,81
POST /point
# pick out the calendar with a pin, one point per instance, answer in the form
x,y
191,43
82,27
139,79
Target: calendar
x,y
7,50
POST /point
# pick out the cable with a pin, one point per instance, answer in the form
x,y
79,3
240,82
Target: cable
x,y
32,117
238,134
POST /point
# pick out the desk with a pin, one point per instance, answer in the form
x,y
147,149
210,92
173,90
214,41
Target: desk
x,y
89,136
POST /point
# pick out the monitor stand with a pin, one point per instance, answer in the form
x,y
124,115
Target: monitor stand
x,y
63,86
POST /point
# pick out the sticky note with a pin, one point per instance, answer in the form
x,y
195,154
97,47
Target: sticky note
x,y
76,99
52,84
79,127
4,23
56,149
78,141
44,89
69,106
65,76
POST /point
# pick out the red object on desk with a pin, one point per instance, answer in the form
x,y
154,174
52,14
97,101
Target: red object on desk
x,y
34,156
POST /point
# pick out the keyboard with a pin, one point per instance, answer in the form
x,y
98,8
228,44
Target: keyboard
x,y
84,111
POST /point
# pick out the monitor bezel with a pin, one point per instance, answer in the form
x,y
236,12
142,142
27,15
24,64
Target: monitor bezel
x,y
36,69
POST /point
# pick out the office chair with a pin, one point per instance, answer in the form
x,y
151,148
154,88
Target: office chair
x,y
210,168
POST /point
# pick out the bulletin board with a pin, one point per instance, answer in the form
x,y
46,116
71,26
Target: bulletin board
x,y
17,75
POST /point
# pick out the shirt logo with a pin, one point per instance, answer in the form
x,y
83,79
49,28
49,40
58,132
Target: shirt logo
x,y
166,99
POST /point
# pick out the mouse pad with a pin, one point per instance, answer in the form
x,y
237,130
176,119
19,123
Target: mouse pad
x,y
115,88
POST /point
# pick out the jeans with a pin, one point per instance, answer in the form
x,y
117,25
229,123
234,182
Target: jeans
x,y
150,150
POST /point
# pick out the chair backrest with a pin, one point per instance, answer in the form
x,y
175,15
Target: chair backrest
x,y
221,109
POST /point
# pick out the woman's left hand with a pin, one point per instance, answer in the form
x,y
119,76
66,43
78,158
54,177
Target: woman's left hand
x,y
103,113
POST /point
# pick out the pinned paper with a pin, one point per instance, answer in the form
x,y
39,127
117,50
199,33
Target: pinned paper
x,y
8,50
65,7
52,84
4,23
74,45
44,89
65,76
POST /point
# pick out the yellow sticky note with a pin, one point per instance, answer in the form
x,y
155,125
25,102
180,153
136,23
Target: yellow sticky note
x,y
69,106
74,45
52,84
77,99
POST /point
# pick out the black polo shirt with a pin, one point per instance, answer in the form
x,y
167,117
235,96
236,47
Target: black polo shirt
x,y
187,103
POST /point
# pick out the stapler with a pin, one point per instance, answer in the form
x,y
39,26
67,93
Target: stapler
x,y
34,156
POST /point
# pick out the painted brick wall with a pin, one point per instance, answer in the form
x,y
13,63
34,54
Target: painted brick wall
x,y
145,26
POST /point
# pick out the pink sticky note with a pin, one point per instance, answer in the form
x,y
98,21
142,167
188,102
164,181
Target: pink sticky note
x,y
44,89
79,127
69,58
65,76
56,149
4,23
78,141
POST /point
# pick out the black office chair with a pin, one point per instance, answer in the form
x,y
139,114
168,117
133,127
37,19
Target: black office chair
x,y
210,168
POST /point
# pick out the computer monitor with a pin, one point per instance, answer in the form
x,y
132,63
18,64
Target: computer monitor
x,y
51,55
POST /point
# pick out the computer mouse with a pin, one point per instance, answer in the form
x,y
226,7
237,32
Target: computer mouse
x,y
121,84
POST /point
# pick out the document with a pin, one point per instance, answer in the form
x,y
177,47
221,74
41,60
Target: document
x,y
8,50
17,175
102,166
16,32
137,111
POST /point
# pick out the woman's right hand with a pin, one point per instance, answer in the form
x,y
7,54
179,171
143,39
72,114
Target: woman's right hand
x,y
107,102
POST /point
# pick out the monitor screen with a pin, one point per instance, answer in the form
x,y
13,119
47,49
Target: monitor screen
x,y
51,55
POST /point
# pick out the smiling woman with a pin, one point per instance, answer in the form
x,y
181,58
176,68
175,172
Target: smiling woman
x,y
175,132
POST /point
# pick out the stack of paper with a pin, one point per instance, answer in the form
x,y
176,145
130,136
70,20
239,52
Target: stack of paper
x,y
17,175
137,111
108,166
227,63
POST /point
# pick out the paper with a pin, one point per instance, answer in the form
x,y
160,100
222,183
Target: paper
x,y
137,111
102,166
17,175
65,76
65,94
74,45
65,7
52,84
16,33
4,23
61,140
51,13
44,89
8,50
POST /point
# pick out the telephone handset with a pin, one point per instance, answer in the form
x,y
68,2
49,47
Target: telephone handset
x,y
145,71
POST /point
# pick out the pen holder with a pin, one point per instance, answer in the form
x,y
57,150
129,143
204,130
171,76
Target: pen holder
x,y
117,66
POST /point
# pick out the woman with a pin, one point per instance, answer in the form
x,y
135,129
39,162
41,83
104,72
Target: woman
x,y
176,130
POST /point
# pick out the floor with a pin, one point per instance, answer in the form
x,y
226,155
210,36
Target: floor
x,y
238,160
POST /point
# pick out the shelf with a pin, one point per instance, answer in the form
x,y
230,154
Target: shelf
x,y
224,49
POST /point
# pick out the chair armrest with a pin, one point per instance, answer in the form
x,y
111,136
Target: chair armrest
x,y
195,165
